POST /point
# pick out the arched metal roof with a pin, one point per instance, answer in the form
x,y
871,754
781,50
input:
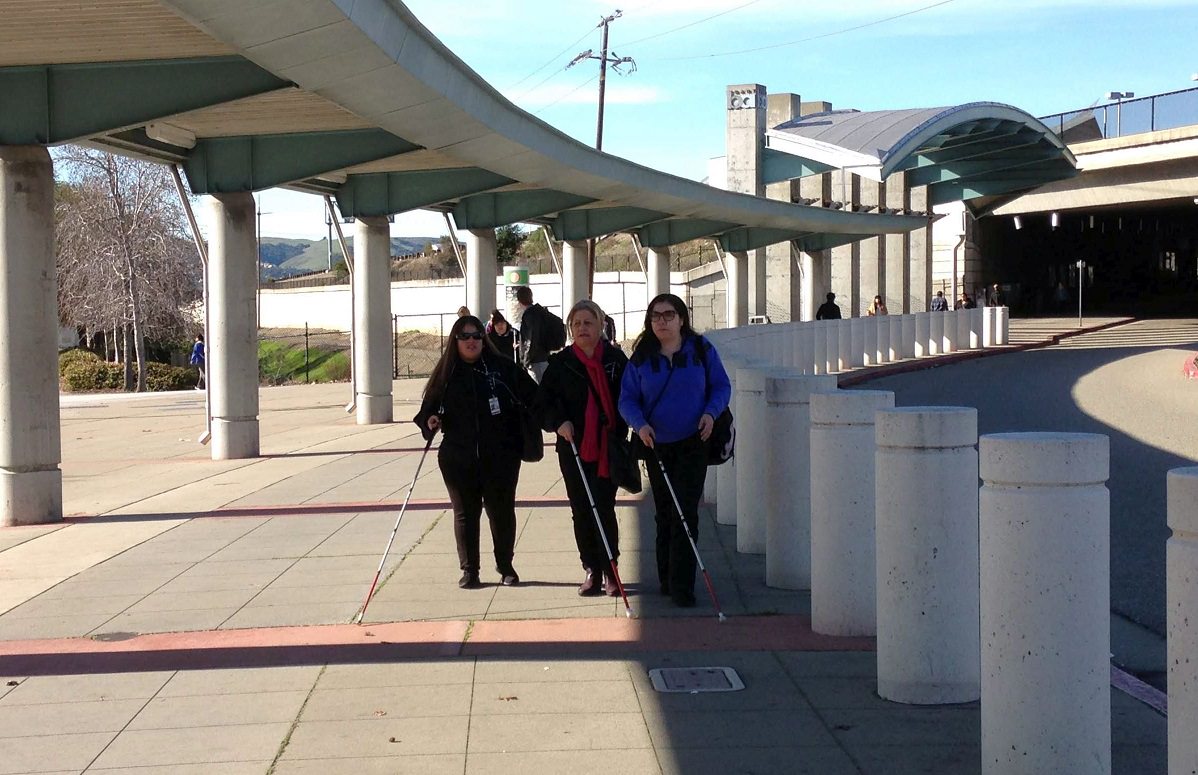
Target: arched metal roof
x,y
980,149
355,98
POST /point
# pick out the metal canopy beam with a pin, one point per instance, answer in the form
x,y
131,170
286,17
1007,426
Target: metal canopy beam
x,y
674,231
954,191
989,149
779,166
387,193
588,223
963,170
813,242
752,237
501,208
51,104
220,165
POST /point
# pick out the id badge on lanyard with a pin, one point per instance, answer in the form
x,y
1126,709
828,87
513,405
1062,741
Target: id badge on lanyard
x,y
493,401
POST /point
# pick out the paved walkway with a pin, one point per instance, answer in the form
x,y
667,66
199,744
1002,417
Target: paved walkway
x,y
194,616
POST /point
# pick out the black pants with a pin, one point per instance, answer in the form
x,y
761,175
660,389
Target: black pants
x,y
586,534
472,486
686,464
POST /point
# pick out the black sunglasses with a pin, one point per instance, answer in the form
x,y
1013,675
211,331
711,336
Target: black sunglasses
x,y
464,335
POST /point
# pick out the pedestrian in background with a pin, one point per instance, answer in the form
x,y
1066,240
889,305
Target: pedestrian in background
x,y
578,400
876,307
197,359
828,310
939,303
473,398
501,335
674,388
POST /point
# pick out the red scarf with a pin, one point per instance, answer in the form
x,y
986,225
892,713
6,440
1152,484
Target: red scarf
x,y
594,436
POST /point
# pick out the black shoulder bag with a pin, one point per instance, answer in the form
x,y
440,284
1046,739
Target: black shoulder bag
x,y
532,441
622,464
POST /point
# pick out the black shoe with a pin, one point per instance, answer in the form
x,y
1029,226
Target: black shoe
x,y
469,580
591,586
509,576
684,600
610,587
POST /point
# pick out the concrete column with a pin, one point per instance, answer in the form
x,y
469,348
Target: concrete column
x,y
1181,598
845,336
1045,603
788,478
975,328
871,196
372,320
869,341
857,338
657,279
574,273
233,338
757,276
480,271
923,332
726,511
948,343
843,572
819,346
920,263
908,334
898,249
927,563
737,288
30,447
1002,328
752,450
935,333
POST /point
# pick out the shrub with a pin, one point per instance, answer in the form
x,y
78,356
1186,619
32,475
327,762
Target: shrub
x,y
160,376
76,355
84,374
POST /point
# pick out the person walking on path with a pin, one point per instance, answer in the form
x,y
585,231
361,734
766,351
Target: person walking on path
x,y
578,400
197,360
674,388
541,333
473,397
828,310
876,307
939,303
501,335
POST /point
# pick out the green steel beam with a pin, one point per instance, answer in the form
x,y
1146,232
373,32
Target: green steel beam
x,y
779,166
51,104
984,143
955,191
221,165
966,170
588,223
385,193
752,237
675,231
819,241
500,208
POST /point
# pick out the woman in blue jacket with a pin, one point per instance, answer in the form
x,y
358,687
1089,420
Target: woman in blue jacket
x,y
673,389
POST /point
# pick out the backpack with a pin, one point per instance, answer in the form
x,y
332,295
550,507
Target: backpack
x,y
552,332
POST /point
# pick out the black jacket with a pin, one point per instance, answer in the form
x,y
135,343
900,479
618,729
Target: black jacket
x,y
828,311
467,425
532,330
564,391
504,343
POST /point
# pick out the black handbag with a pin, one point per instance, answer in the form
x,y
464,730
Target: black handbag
x,y
532,441
623,467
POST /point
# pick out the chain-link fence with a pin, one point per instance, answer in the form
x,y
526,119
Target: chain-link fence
x,y
417,342
292,355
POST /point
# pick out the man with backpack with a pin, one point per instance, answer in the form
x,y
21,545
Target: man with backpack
x,y
541,332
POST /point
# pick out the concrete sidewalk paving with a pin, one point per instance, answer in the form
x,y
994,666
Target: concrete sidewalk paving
x,y
197,621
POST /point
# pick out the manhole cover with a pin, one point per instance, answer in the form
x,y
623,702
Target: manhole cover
x,y
692,680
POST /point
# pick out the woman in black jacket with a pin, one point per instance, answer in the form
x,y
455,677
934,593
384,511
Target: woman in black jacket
x,y
501,334
473,397
578,400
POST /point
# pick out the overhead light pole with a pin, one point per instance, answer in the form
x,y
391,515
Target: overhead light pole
x,y
1118,97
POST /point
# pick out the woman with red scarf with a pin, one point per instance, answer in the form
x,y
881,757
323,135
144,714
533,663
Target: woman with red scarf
x,y
578,400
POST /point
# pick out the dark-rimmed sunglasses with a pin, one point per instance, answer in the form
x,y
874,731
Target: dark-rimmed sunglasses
x,y
666,315
465,335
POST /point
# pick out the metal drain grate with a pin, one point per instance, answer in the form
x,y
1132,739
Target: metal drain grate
x,y
692,680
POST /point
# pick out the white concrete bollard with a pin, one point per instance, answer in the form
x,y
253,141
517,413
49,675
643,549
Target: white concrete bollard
x,y
752,449
882,350
923,332
1181,603
1045,603
963,318
845,343
819,346
975,328
1002,326
869,341
725,491
788,478
897,323
857,339
927,554
908,334
948,343
806,349
935,333
988,316
843,572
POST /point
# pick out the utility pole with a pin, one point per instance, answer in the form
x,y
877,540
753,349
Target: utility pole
x,y
615,61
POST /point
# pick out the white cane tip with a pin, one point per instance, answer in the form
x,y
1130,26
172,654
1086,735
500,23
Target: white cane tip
x,y
723,618
628,612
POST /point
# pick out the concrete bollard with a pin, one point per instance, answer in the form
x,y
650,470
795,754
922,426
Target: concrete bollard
x,y
856,342
806,351
927,554
923,332
963,318
948,343
788,478
752,449
897,323
882,351
1002,326
988,315
1045,603
975,328
935,333
838,347
819,346
725,490
869,341
1181,603
843,572
908,340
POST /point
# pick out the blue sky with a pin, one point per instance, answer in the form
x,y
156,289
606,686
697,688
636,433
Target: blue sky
x,y
1044,56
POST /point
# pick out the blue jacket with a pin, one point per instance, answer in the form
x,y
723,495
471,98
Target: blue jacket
x,y
197,354
694,390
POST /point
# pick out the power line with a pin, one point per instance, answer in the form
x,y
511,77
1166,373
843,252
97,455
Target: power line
x,y
813,37
587,82
692,24
555,58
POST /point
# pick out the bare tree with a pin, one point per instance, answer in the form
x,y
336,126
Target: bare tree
x,y
124,261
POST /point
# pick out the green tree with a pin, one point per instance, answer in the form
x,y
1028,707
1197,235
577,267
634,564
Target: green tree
x,y
508,240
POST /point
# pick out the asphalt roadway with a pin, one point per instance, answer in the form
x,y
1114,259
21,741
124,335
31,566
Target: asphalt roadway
x,y
1125,382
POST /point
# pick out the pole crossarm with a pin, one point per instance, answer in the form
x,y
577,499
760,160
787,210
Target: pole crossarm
x,y
49,104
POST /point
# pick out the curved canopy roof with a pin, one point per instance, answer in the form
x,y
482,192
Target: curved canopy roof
x,y
354,98
980,149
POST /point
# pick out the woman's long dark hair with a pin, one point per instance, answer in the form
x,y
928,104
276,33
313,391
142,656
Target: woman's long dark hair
x,y
647,343
449,356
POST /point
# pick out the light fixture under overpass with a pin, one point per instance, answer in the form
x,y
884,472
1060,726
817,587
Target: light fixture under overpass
x,y
1054,220
1018,223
